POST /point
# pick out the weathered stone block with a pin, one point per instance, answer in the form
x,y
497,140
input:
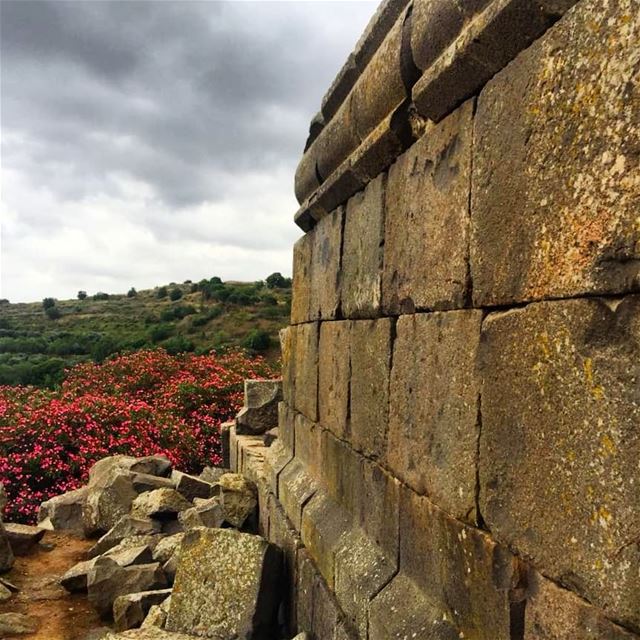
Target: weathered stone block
x,y
555,178
334,370
160,504
260,411
130,610
461,570
286,428
370,363
190,486
553,613
560,444
306,370
227,586
427,209
64,512
22,537
295,487
308,445
239,498
433,410
324,528
126,527
301,288
361,570
325,267
362,253
287,345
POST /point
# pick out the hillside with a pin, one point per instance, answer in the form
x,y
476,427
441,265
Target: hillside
x,y
38,343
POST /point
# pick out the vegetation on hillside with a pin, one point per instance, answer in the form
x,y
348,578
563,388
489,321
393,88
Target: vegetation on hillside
x,y
139,404
38,341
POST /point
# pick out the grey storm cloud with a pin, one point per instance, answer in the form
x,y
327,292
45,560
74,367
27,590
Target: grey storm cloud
x,y
196,103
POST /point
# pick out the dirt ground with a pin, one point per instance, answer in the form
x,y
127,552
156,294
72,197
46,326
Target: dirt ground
x,y
62,616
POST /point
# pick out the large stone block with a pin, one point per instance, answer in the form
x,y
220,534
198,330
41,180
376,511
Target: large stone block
x,y
553,613
325,267
433,410
362,252
306,370
295,488
427,220
301,294
334,370
227,586
287,346
308,445
461,570
369,398
555,180
560,444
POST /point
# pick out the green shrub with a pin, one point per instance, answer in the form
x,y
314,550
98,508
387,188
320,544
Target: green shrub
x,y
82,295
161,293
100,296
53,313
132,293
48,303
257,340
278,281
178,344
161,332
175,294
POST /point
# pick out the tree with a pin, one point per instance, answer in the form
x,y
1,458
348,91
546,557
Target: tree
x,y
278,281
48,303
100,296
162,293
257,340
132,293
175,294
82,295
53,313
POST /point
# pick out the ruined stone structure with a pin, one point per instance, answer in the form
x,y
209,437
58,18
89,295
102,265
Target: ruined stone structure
x,y
460,434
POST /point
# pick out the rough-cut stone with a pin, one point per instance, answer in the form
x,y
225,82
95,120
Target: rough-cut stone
x,y
131,551
167,547
433,410
6,554
306,370
260,411
191,487
370,363
110,496
210,513
152,465
239,498
161,503
126,527
295,487
325,267
301,287
75,579
107,580
213,474
553,613
149,633
131,609
22,537
64,512
363,250
334,370
17,624
427,220
555,184
147,482
227,585
560,444
5,593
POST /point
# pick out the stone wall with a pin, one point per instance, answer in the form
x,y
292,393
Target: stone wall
x,y
460,432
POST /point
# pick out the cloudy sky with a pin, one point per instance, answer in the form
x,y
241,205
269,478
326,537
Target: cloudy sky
x,y
149,141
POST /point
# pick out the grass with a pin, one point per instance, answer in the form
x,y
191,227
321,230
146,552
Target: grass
x,y
36,344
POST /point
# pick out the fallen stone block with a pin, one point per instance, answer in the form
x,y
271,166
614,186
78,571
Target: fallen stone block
x,y
146,482
160,504
126,527
152,465
125,554
207,513
64,512
148,633
22,537
228,585
75,580
155,618
172,527
107,580
5,593
167,547
260,411
6,554
17,624
130,610
239,498
190,486
213,474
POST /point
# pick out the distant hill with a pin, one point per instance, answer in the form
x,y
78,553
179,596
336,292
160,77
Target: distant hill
x,y
39,340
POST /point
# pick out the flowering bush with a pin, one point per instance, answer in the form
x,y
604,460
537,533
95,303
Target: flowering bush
x,y
139,404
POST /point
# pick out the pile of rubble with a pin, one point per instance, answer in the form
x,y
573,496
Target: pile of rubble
x,y
176,556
